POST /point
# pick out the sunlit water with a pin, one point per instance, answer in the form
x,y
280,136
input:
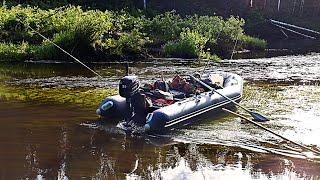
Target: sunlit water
x,y
64,141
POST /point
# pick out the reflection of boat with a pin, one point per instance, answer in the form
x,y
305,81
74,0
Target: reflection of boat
x,y
170,107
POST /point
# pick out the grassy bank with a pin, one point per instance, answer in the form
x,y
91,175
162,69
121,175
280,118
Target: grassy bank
x,y
96,35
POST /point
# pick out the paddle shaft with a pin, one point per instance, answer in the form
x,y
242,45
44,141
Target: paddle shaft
x,y
266,129
212,89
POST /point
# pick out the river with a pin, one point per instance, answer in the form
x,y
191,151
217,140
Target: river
x,y
49,129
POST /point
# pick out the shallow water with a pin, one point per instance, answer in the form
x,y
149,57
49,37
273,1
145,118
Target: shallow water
x,y
63,139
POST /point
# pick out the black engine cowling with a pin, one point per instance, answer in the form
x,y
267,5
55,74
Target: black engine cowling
x,y
128,86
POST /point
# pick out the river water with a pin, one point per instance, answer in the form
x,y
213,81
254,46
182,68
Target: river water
x,y
48,135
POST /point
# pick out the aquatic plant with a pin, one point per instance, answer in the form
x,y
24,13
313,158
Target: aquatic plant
x,y
84,97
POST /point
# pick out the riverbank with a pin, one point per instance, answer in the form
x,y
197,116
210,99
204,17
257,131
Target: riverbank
x,y
94,35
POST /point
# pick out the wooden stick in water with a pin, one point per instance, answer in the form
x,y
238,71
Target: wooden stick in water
x,y
266,129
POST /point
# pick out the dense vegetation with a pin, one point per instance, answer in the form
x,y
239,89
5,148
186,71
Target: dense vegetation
x,y
131,5
97,35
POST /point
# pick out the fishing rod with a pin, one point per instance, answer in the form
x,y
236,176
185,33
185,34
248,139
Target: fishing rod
x,y
294,26
76,59
293,31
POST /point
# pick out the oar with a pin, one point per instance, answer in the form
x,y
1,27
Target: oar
x,y
256,116
266,129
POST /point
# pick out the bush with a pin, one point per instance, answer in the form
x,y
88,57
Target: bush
x,y
93,34
231,32
130,44
127,44
66,40
14,52
252,43
164,27
208,26
190,45
126,38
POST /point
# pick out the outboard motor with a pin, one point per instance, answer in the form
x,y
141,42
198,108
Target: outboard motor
x,y
116,106
129,88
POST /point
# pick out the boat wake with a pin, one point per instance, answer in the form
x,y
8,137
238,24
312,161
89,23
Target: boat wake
x,y
185,136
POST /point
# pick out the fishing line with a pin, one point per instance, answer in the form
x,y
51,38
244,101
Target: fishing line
x,y
77,60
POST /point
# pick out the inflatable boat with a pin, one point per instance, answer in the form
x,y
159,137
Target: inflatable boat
x,y
165,105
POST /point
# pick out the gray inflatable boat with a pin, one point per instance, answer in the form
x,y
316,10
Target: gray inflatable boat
x,y
130,105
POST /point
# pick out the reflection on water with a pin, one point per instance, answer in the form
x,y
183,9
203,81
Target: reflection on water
x,y
50,141
62,141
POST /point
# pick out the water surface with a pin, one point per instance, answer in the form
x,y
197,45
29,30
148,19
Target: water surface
x,y
47,135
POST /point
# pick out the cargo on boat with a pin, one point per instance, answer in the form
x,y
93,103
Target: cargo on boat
x,y
168,104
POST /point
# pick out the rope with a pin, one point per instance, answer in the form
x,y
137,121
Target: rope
x,y
77,60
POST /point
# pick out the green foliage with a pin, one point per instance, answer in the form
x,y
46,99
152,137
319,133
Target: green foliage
x,y
252,43
190,45
47,50
230,34
93,34
220,34
124,45
130,43
14,52
206,55
233,27
208,26
164,27
125,38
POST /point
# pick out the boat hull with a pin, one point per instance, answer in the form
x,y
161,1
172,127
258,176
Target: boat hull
x,y
183,112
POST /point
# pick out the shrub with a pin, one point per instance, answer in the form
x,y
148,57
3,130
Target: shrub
x,y
229,35
208,26
92,33
190,45
66,40
164,27
252,43
126,44
14,52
